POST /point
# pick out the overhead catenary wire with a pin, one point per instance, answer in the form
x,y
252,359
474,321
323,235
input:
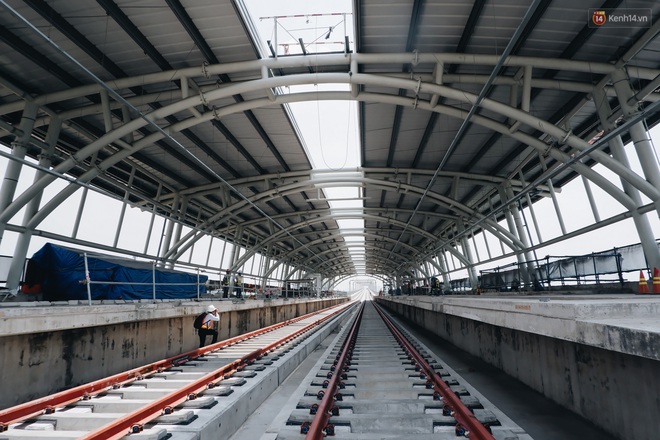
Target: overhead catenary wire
x,y
325,35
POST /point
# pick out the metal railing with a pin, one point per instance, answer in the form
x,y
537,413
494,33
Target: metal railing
x,y
606,267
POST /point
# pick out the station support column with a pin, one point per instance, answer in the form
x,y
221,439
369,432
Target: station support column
x,y
23,242
465,243
647,158
530,268
443,269
512,228
19,149
166,238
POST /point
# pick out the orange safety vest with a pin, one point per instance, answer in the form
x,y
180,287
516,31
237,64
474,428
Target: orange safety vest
x,y
207,322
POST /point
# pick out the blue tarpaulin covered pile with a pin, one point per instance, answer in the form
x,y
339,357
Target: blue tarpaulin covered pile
x,y
59,271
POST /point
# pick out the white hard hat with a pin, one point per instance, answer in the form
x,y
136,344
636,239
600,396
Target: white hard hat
x,y
211,308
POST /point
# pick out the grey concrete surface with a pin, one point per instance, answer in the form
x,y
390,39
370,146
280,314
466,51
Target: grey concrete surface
x,y
257,425
623,323
539,416
605,393
381,399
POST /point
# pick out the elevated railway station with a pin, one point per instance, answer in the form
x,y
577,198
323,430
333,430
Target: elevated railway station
x,y
162,157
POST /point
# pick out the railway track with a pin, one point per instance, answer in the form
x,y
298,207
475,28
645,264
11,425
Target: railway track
x,y
378,382
373,381
178,397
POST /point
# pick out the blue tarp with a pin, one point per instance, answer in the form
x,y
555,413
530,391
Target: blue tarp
x,y
60,272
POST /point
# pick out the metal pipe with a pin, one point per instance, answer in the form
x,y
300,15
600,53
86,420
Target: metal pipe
x,y
147,238
124,204
520,228
438,72
105,109
334,59
16,268
527,89
13,170
505,197
275,36
590,197
88,280
153,279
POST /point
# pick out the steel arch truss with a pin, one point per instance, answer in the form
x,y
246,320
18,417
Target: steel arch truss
x,y
411,215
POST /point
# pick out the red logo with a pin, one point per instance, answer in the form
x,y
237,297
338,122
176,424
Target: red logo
x,y
599,18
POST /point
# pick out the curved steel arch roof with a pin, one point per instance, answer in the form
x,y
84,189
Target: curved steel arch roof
x,y
458,104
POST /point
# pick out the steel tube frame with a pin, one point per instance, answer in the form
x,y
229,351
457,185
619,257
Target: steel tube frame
x,y
18,202
331,60
369,79
13,170
367,58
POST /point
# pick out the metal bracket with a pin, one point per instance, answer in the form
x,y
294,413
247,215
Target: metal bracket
x,y
203,98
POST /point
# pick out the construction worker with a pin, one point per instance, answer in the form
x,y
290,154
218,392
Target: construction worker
x,y
238,285
225,284
207,326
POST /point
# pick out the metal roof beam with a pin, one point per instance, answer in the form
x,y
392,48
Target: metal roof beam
x,y
207,52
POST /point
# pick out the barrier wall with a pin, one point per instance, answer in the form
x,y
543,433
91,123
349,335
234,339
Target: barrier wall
x,y
616,391
49,347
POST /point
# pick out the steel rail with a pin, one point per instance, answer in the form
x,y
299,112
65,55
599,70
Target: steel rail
x,y
48,404
320,421
467,423
133,422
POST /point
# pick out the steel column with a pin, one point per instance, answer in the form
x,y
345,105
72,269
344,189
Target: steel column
x,y
642,223
520,228
122,214
151,222
14,167
638,133
166,239
553,195
592,200
483,234
23,242
179,226
504,199
465,244
443,267
208,252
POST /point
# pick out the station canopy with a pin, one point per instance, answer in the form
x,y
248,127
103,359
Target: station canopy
x,y
463,109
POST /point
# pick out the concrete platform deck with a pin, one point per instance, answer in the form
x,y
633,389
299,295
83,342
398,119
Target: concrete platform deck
x,y
46,316
596,355
623,323
46,347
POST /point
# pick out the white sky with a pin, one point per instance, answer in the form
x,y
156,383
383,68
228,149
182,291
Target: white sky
x,y
329,128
